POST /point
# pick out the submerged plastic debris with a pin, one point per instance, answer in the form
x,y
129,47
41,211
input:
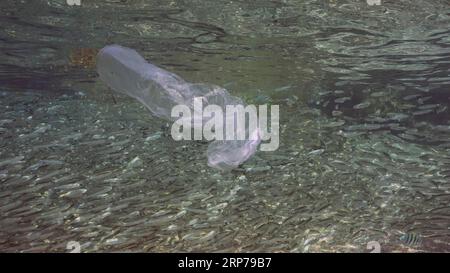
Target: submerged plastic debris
x,y
125,71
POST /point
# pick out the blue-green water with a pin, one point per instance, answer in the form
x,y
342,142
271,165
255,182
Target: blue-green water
x,y
364,145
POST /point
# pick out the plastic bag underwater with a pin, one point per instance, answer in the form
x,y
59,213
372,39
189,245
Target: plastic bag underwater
x,y
127,72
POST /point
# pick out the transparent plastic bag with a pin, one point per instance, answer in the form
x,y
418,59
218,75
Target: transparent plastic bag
x,y
125,71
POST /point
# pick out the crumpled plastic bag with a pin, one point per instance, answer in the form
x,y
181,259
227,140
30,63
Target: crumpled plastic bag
x,y
127,72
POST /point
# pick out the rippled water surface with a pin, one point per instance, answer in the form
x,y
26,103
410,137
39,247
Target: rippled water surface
x,y
365,134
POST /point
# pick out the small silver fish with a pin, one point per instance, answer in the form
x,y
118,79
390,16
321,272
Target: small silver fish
x,y
422,112
342,100
411,97
362,105
411,239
